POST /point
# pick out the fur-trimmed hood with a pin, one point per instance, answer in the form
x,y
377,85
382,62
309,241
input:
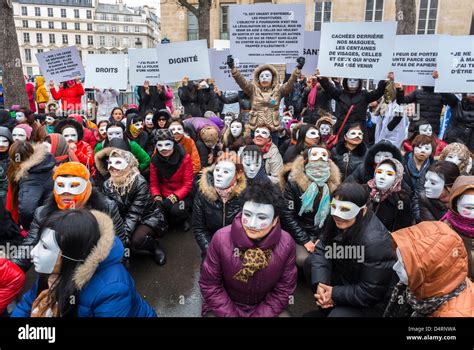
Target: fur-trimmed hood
x,y
382,146
206,185
40,161
359,151
260,69
295,172
70,123
101,157
104,253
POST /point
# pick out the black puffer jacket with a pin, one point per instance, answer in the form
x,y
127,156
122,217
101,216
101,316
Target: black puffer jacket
x,y
153,101
347,161
4,159
208,101
431,209
10,232
96,201
240,97
431,104
188,95
461,126
295,98
209,212
361,284
295,183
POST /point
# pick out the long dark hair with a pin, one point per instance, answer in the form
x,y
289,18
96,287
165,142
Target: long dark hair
x,y
448,171
230,138
77,233
120,125
300,143
19,153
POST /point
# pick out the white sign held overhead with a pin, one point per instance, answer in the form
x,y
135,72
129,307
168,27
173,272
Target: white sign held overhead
x,y
455,64
360,50
310,53
267,33
187,58
221,73
105,71
61,64
221,44
143,66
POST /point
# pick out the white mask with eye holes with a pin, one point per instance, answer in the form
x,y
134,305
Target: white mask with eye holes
x,y
45,254
423,150
379,156
312,134
20,117
149,120
434,185
18,134
262,132
345,210
138,125
114,132
74,185
453,158
236,129
353,84
252,164
176,129
257,216
103,130
325,129
465,206
265,76
355,134
286,120
425,129
227,119
164,145
4,143
117,163
49,120
70,134
317,153
385,176
399,268
224,173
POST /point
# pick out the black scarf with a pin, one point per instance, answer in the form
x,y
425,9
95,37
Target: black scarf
x,y
166,167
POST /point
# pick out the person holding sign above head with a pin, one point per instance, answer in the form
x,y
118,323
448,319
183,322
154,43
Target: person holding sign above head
x,y
70,93
265,92
151,97
107,100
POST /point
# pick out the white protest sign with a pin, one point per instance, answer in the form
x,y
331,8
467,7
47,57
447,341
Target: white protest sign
x,y
187,58
266,33
105,71
455,64
414,59
310,53
220,72
60,65
221,44
360,50
143,66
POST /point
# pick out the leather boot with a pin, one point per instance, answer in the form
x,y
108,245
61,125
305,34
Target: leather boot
x,y
152,245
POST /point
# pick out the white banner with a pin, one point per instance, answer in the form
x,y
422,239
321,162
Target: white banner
x,y
267,33
186,58
221,44
310,53
360,50
220,72
455,64
106,71
61,64
414,59
143,66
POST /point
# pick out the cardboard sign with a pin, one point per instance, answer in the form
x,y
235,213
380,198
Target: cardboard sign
x,y
310,53
220,72
60,65
143,66
105,71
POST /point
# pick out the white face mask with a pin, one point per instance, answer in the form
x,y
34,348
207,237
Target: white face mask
x,y
20,117
286,120
4,142
312,134
18,134
317,153
399,268
344,209
381,156
74,185
453,158
138,125
262,132
257,216
103,130
325,129
224,173
114,132
355,134
385,176
48,146
45,254
252,165
70,134
425,150
176,129
227,119
425,129
117,163
149,120
236,129
49,120
465,206
434,185
353,84
265,76
165,145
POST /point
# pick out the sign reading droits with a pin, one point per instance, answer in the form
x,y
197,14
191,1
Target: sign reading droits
x,y
106,71
60,65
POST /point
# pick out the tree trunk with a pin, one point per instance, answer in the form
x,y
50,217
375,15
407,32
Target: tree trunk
x,y
204,20
405,14
14,90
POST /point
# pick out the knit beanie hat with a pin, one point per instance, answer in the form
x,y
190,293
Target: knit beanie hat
x,y
5,132
72,169
162,135
28,130
209,135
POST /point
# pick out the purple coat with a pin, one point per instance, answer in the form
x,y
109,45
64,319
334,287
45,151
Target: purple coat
x,y
267,292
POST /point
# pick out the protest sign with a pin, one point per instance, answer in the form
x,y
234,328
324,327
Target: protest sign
x,y
414,59
455,64
143,66
360,50
221,44
221,73
187,58
60,65
310,53
266,33
105,71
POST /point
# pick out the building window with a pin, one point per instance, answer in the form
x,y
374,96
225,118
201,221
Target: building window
x,y
115,18
64,25
374,10
322,13
51,25
65,39
77,26
89,14
50,12
38,24
39,38
104,17
128,18
113,29
40,50
24,11
29,71
224,22
28,55
80,54
125,29
78,40
125,42
90,52
37,12
52,39
25,24
113,41
76,13
193,33
63,13
90,40
89,27
137,29
427,17
102,40
26,37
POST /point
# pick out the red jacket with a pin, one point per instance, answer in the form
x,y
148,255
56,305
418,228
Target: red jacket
x,y
179,184
30,92
12,280
88,133
85,154
70,97
440,145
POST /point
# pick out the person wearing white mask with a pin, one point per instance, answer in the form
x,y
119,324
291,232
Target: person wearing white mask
x,y
252,161
271,155
22,133
308,136
249,269
107,101
135,129
233,138
354,284
432,268
218,199
460,155
50,123
176,127
418,161
423,127
5,143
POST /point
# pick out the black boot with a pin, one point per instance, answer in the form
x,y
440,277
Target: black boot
x,y
152,245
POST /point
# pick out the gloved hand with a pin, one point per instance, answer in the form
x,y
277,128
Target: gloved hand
x,y
169,201
230,61
300,61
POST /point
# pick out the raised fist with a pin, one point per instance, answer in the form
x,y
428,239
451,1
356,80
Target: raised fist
x,y
300,61
230,61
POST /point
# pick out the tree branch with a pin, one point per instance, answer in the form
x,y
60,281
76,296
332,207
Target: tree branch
x,y
190,7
